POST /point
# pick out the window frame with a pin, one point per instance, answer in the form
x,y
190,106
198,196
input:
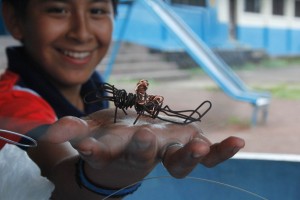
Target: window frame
x,y
278,9
253,6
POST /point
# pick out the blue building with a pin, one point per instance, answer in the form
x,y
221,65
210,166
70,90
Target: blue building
x,y
271,25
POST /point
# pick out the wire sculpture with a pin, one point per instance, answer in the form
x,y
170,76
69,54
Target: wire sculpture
x,y
28,141
144,104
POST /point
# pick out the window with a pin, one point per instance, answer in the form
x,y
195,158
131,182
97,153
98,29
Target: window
x,y
253,6
278,7
297,8
190,2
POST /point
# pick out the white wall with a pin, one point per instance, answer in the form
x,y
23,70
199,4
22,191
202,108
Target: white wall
x,y
263,19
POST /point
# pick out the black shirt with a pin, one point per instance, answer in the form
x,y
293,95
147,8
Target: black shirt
x,y
33,78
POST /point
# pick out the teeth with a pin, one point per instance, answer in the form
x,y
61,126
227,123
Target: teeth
x,y
77,55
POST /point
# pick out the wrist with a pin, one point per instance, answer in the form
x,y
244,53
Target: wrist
x,y
84,181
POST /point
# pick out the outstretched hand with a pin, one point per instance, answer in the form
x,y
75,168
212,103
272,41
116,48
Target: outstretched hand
x,y
114,150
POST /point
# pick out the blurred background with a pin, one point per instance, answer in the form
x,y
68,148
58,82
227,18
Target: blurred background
x,y
244,57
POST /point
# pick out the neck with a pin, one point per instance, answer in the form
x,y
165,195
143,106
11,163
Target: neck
x,y
72,94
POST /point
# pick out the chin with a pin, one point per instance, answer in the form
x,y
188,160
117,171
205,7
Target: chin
x,y
75,79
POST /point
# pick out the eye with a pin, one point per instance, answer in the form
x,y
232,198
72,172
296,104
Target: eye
x,y
99,11
57,10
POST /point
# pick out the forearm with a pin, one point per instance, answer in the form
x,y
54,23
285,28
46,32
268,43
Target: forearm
x,y
58,163
66,184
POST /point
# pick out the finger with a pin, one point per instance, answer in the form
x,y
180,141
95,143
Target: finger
x,y
94,152
220,152
142,149
101,151
180,161
65,129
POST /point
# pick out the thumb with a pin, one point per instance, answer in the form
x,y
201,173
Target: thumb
x,y
65,129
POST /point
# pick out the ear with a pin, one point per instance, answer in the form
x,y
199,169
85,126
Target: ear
x,y
11,20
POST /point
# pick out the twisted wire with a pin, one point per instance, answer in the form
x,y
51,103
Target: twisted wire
x,y
123,100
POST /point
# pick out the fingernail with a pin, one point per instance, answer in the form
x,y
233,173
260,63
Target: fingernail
x,y
235,150
198,140
196,155
143,145
86,153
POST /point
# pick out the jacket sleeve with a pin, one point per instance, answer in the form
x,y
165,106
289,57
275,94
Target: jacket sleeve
x,y
21,109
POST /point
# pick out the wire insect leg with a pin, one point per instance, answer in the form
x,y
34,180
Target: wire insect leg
x,y
209,107
196,111
137,118
124,111
115,118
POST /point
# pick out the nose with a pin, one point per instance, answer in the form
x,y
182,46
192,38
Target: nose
x,y
80,30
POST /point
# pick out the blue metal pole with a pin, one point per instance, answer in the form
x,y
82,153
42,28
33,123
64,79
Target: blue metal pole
x,y
117,45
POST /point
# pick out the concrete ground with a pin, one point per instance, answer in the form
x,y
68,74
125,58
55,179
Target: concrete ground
x,y
280,134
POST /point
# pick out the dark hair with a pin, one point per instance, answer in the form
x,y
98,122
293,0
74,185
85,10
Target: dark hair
x,y
20,6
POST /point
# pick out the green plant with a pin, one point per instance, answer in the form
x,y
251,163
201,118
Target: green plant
x,y
283,91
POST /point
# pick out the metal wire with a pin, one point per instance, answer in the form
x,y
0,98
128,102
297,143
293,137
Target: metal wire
x,y
32,142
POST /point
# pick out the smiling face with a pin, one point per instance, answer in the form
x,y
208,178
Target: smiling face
x,y
67,38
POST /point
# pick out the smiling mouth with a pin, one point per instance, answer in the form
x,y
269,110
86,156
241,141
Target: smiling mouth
x,y
76,55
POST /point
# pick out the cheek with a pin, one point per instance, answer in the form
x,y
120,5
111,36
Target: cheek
x,y
51,32
38,34
104,32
